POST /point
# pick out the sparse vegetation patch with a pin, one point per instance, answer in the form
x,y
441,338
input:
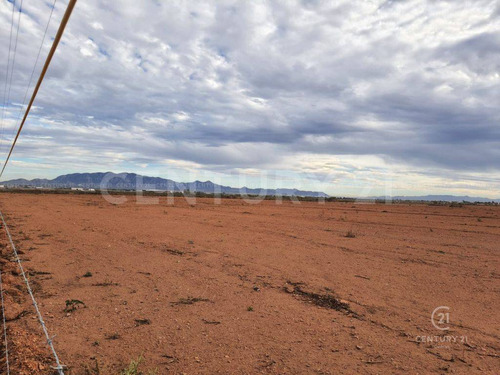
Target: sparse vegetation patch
x,y
189,301
322,300
73,304
173,251
350,234
142,322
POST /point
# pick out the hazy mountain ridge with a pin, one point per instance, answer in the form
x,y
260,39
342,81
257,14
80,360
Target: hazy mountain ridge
x,y
132,181
441,198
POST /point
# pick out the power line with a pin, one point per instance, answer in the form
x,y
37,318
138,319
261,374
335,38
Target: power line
x,y
7,72
57,38
34,67
15,49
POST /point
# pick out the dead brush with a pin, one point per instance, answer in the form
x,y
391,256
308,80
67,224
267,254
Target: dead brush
x,y
113,336
328,301
350,234
73,304
189,301
142,322
133,368
106,283
94,369
173,251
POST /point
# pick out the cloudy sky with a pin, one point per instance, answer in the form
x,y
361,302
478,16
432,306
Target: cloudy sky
x,y
347,97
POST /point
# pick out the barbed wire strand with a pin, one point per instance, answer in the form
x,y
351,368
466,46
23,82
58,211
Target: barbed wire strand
x,y
58,366
6,345
7,73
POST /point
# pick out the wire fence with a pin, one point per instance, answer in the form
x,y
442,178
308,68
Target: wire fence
x,y
6,345
58,367
7,91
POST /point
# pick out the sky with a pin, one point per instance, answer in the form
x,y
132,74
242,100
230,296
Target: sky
x,y
353,98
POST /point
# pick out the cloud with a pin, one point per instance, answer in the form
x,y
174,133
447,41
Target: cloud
x,y
232,85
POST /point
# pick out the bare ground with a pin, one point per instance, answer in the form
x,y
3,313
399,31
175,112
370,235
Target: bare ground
x,y
238,288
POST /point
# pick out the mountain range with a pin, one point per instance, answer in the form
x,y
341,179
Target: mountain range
x,y
441,198
132,181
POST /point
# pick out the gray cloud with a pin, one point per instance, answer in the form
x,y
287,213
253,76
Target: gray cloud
x,y
247,84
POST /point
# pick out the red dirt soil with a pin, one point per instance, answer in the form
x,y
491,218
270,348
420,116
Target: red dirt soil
x,y
239,288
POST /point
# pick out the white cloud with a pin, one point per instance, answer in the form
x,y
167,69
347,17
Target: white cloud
x,y
298,86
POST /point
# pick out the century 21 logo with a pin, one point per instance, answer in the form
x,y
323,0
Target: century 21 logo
x,y
440,318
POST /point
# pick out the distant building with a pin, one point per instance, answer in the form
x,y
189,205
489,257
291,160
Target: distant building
x,y
77,189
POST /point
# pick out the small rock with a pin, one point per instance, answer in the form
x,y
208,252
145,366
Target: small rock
x,y
288,289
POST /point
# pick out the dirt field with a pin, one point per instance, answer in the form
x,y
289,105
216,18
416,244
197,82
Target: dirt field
x,y
238,288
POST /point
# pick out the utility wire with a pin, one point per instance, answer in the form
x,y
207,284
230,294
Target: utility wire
x,y
7,73
57,38
15,50
34,67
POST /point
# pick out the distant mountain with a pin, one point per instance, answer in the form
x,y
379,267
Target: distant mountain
x,y
132,181
442,198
